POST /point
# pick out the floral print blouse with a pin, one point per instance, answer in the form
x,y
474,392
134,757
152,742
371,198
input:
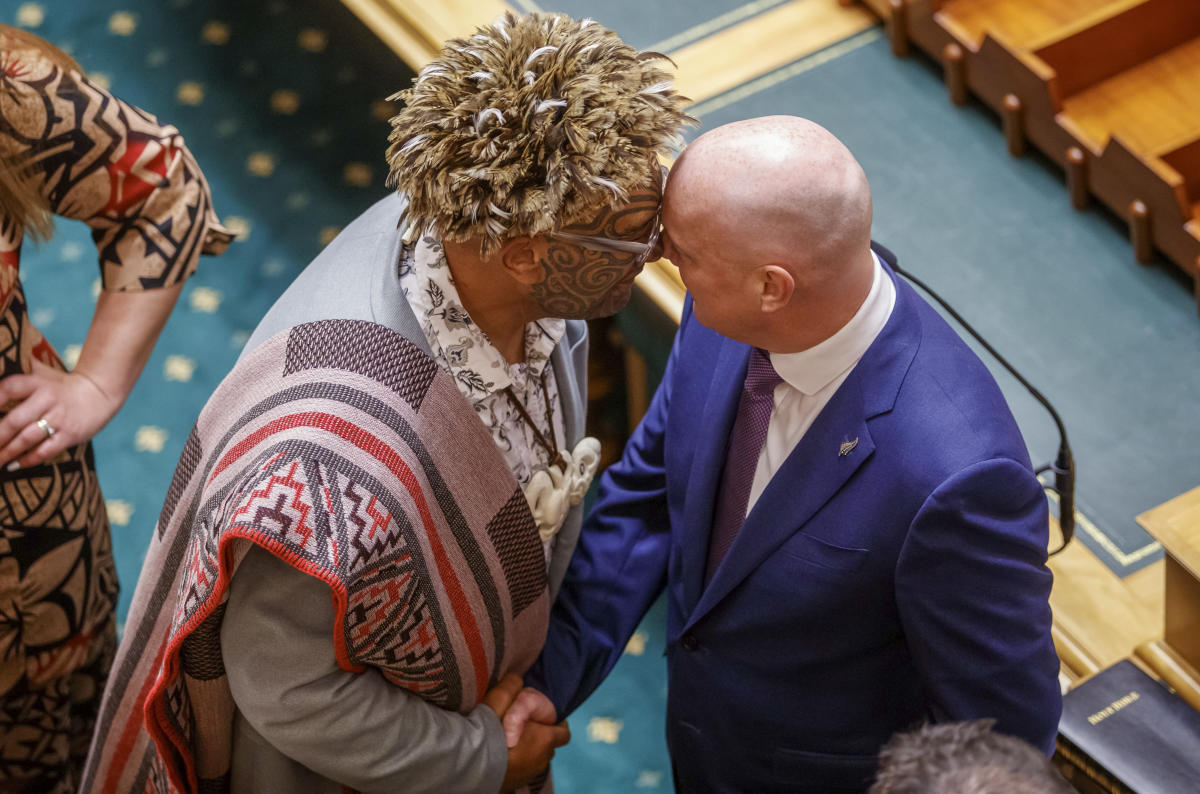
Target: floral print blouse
x,y
478,368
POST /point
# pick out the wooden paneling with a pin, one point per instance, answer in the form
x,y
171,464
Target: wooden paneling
x,y
1019,23
1182,611
1147,106
447,19
1185,160
1177,525
1123,38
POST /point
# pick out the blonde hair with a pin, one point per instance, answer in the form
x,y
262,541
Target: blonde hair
x,y
21,200
529,125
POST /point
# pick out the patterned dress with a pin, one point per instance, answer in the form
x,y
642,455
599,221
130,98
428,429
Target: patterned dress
x,y
133,181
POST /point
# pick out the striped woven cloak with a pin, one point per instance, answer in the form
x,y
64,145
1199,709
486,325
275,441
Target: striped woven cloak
x,y
343,449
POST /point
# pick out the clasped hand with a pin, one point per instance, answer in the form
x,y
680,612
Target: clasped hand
x,y
530,729
71,404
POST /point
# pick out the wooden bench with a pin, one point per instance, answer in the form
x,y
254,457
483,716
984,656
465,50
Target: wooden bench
x,y
1108,89
1176,657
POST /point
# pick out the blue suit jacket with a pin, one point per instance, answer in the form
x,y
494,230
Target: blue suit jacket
x,y
902,581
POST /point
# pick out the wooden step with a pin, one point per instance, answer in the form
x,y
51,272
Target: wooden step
x,y
1185,160
1119,37
1146,106
1100,617
1019,23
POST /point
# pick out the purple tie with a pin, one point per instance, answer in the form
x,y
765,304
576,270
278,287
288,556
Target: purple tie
x,y
745,445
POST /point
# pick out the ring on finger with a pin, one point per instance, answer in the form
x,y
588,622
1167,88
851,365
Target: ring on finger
x,y
46,427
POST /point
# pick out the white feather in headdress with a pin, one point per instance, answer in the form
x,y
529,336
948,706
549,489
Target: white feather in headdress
x,y
478,152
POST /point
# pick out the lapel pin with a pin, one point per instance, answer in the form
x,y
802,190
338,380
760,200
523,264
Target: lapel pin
x,y
847,447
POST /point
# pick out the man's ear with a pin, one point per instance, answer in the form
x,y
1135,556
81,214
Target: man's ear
x,y
521,258
776,286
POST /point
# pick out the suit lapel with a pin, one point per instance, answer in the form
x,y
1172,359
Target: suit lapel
x,y
712,433
814,471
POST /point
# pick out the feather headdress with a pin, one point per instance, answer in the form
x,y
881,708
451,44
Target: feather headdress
x,y
529,125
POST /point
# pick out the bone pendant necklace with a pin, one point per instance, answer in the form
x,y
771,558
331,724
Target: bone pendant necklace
x,y
554,490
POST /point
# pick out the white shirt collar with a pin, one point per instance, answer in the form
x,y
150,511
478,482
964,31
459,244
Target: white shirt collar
x,y
811,370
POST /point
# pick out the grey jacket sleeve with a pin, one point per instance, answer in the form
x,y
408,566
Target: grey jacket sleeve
x,y
356,729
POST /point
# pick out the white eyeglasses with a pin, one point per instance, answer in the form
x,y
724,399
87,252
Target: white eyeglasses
x,y
641,250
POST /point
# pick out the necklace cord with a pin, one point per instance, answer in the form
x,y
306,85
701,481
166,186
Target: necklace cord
x,y
551,445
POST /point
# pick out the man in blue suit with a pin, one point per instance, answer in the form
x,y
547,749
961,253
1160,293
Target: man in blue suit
x,y
828,484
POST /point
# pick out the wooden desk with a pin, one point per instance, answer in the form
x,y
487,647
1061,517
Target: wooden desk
x,y
1176,658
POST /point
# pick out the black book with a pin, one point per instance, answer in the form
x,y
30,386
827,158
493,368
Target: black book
x,y
1128,732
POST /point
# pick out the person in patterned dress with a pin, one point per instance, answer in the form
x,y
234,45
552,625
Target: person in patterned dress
x,y
69,148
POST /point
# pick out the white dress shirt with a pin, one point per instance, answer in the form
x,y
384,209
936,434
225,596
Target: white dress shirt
x,y
811,377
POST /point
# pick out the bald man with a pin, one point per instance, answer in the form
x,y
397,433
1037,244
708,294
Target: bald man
x,y
828,484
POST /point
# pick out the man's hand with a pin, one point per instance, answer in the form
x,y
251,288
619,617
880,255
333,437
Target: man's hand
x,y
532,745
533,752
502,695
530,705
